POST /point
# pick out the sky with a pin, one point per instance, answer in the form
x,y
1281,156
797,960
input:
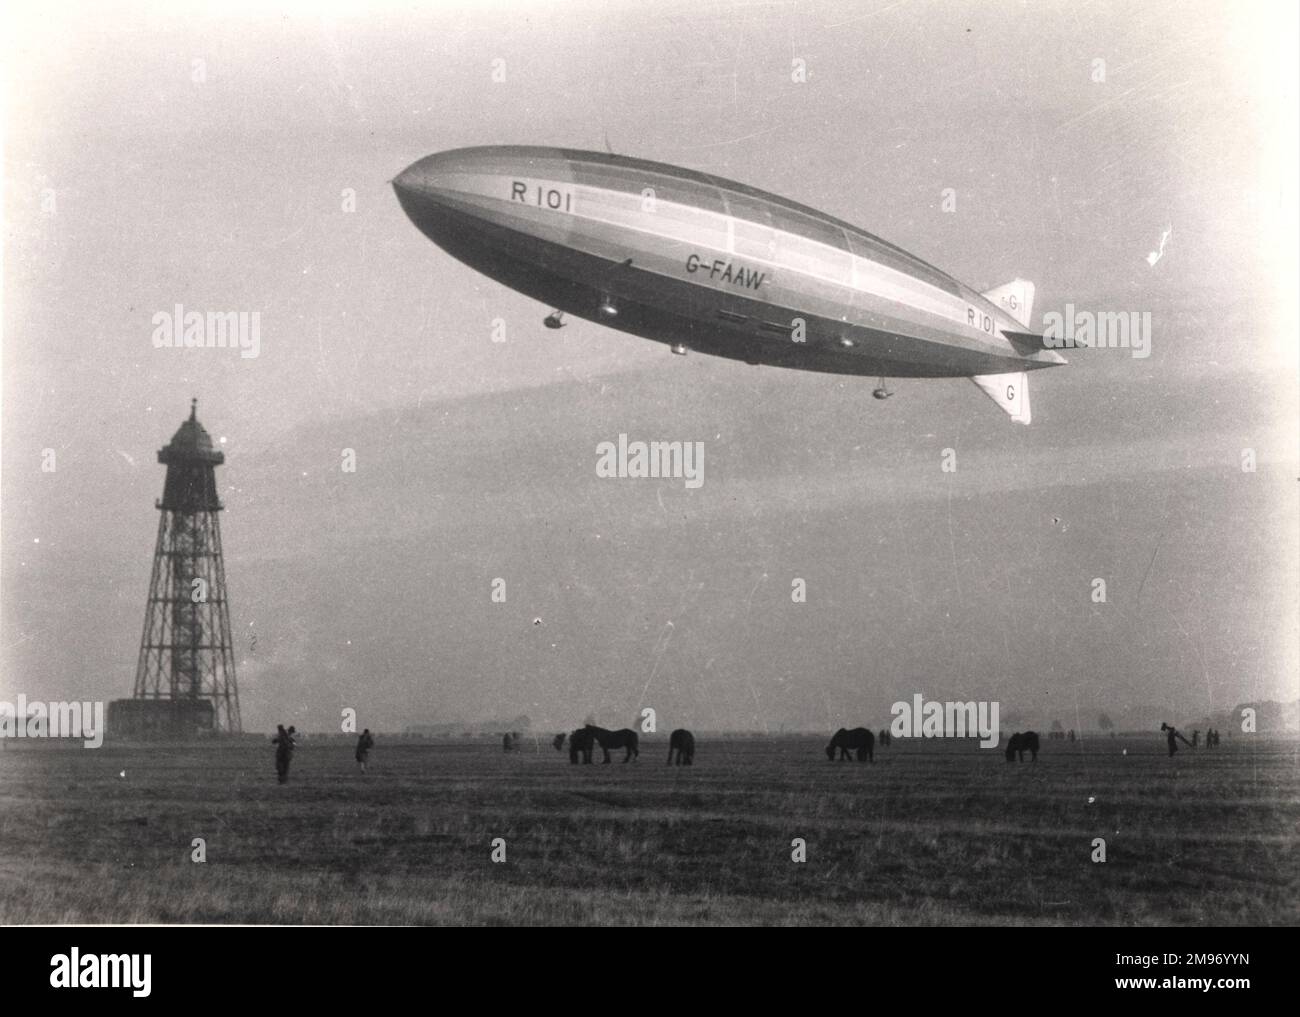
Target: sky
x,y
231,158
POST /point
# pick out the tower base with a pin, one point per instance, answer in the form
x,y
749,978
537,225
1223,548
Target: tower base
x,y
159,719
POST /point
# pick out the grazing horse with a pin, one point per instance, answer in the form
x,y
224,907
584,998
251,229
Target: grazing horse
x,y
859,738
883,737
581,743
625,738
682,742
557,742
1019,744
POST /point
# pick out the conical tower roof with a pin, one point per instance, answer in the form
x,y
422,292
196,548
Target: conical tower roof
x,y
191,443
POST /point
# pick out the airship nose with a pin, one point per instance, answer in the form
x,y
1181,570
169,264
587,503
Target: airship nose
x,y
426,191
424,178
442,195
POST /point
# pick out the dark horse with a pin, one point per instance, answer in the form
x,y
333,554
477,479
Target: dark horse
x,y
581,743
859,738
1019,744
558,741
624,738
682,742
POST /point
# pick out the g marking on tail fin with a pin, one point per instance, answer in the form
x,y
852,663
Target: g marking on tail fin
x,y
1016,298
1009,391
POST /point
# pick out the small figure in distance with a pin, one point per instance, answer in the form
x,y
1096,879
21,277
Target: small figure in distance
x,y
364,744
1171,733
283,742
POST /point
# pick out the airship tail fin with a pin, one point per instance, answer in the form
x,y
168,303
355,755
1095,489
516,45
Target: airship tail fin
x,y
1010,391
1016,298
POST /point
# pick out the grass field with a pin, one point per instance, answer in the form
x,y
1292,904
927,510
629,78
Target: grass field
x,y
934,832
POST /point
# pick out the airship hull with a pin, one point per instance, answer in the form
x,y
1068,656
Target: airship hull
x,y
690,260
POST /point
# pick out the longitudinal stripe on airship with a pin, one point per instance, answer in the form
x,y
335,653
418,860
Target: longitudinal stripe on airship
x,y
692,225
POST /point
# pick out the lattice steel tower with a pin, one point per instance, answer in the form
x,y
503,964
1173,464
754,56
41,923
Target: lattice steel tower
x,y
186,654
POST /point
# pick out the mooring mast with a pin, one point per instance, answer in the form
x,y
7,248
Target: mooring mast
x,y
186,655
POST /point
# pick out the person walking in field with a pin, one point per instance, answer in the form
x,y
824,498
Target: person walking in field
x,y
1172,733
364,744
284,744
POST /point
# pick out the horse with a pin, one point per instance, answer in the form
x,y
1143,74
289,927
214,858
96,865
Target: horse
x,y
682,742
859,738
1018,744
557,742
625,738
581,743
883,738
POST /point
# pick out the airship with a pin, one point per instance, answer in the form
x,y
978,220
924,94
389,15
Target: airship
x,y
704,264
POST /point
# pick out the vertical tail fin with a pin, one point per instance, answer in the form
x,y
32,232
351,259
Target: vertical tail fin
x,y
1010,391
1016,298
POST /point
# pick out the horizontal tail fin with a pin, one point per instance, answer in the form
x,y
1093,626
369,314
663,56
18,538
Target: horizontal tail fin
x,y
1025,343
1010,391
1016,298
